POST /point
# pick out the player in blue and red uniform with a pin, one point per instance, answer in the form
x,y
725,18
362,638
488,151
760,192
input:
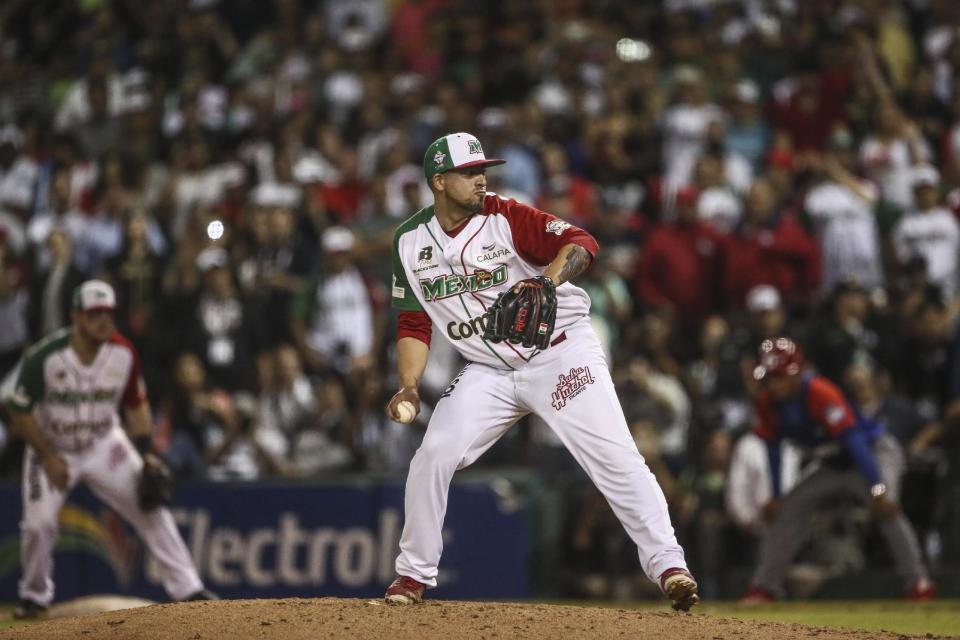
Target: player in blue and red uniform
x,y
855,456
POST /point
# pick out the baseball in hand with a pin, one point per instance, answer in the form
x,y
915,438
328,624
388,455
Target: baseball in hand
x,y
406,412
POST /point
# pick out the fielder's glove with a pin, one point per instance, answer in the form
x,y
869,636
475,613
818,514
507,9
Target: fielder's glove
x,y
155,487
523,314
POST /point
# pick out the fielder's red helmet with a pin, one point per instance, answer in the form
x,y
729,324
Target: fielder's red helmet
x,y
778,357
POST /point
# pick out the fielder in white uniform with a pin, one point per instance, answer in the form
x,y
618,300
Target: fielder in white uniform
x,y
450,262
65,406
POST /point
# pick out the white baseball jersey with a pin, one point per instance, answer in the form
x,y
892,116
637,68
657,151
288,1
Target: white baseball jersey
x,y
455,277
847,231
76,404
935,235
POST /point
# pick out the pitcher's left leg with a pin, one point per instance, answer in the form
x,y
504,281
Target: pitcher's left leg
x,y
572,391
112,473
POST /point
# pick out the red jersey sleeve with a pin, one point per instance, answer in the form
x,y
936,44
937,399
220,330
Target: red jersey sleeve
x,y
415,324
766,426
538,235
828,407
135,392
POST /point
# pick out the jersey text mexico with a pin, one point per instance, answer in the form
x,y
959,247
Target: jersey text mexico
x,y
76,404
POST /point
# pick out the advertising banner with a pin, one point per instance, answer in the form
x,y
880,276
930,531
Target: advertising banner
x,y
266,540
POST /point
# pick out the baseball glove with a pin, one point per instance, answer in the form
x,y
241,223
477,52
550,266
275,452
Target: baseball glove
x,y
523,314
155,487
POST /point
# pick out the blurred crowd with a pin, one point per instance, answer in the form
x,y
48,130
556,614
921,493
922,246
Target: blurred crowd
x,y
751,168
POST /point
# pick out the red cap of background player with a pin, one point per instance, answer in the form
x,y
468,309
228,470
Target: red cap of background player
x,y
778,357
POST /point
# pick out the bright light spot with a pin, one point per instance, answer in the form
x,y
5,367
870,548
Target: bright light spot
x,y
630,50
215,230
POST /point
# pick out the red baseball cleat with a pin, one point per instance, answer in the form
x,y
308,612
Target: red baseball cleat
x,y
404,590
923,590
756,595
680,587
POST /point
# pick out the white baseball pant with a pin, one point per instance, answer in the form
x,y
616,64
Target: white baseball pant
x,y
570,388
111,468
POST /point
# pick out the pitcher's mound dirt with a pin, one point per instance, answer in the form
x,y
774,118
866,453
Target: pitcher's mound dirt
x,y
342,619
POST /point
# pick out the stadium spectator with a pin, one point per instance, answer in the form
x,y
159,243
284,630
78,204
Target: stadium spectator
x,y
13,308
747,133
930,231
291,431
841,207
52,286
217,323
718,204
682,264
771,247
189,415
844,336
333,316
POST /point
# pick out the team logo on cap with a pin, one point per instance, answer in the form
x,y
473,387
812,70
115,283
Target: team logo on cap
x,y
473,147
439,157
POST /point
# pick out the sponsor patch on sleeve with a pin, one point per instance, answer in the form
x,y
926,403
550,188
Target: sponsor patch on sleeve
x,y
398,292
19,398
557,227
834,415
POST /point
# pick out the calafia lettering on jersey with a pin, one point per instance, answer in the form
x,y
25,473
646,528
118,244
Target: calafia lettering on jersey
x,y
454,284
491,252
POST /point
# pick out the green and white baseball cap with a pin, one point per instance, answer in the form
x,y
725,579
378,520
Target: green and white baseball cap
x,y
455,151
94,295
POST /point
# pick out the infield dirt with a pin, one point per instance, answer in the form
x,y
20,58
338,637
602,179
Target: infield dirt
x,y
313,619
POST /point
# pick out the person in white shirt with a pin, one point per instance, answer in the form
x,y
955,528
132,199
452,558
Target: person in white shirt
x,y
685,126
718,204
333,318
841,207
930,231
888,154
748,485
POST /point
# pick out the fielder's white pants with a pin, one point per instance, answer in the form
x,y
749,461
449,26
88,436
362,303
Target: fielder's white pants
x,y
110,467
569,387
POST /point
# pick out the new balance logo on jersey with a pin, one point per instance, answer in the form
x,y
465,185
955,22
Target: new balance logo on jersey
x,y
426,255
452,285
570,386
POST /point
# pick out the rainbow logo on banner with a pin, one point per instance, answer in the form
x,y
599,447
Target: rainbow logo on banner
x,y
81,531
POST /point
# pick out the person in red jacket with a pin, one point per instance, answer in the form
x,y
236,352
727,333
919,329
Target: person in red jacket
x,y
771,249
681,264
853,456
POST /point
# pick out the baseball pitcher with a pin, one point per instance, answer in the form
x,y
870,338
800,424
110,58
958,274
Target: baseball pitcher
x,y
65,407
494,275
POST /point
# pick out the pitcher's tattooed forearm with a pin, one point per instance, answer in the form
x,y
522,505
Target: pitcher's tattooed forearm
x,y
578,259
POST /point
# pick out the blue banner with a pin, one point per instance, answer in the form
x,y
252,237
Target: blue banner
x,y
280,540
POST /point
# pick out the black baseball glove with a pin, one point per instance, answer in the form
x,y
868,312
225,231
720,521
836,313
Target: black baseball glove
x,y
155,487
523,314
